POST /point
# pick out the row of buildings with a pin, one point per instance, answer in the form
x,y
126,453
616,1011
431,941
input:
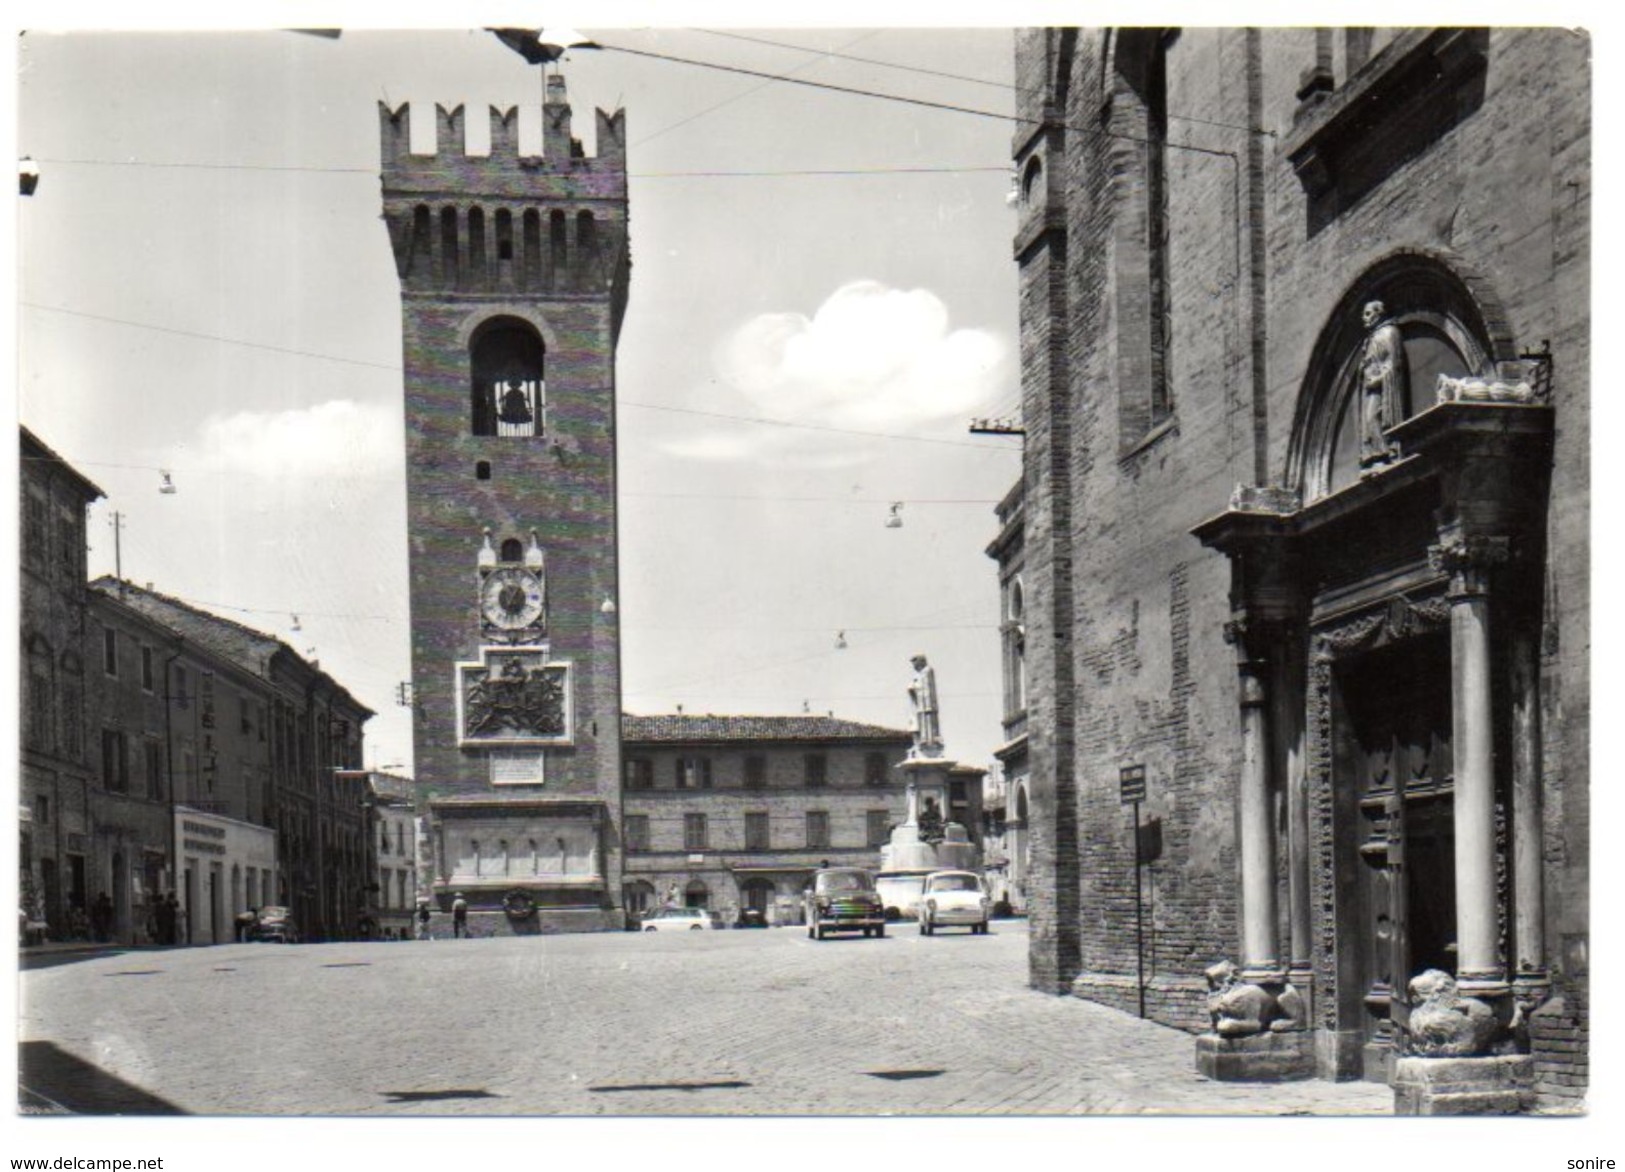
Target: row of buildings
x,y
1301,544
168,751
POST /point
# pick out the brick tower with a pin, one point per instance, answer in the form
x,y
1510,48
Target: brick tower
x,y
514,273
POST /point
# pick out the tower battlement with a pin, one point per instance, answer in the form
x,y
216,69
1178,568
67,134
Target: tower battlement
x,y
561,171
505,222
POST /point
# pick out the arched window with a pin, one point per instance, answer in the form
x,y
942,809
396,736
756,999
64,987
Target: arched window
x,y
476,248
1032,181
509,394
638,897
513,550
504,234
586,243
449,274
558,249
696,894
422,246
533,249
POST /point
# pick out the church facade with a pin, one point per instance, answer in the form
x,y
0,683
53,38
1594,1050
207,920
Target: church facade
x,y
1303,542
514,273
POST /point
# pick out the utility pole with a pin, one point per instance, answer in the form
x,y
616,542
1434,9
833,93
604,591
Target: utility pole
x,y
117,521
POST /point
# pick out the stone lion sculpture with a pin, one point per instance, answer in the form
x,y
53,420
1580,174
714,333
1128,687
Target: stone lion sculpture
x,y
1445,1024
1240,1009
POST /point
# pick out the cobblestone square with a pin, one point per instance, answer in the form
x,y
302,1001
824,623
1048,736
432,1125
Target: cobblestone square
x,y
758,1023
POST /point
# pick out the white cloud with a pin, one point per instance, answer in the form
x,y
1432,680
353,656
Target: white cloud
x,y
871,358
333,441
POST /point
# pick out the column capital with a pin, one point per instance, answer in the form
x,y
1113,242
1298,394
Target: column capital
x,y
1469,560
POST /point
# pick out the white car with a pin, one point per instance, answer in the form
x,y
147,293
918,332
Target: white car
x,y
954,898
679,919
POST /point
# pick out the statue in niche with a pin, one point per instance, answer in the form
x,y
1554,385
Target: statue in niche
x,y
922,692
930,822
1239,1009
1383,384
1445,1024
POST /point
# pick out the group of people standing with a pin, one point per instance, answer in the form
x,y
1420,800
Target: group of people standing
x,y
166,921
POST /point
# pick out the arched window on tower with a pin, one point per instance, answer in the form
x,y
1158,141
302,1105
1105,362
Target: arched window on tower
x,y
586,244
476,247
533,249
422,256
504,234
509,393
448,248
513,550
558,249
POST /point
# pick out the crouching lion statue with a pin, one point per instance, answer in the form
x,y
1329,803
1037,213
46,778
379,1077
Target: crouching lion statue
x,y
1239,1009
1445,1024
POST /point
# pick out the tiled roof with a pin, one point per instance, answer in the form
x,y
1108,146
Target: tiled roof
x,y
247,648
689,729
34,448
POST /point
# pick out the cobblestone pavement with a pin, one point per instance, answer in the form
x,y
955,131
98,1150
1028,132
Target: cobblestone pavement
x,y
703,1023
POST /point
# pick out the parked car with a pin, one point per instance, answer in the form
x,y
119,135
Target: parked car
x,y
275,926
844,899
954,898
679,919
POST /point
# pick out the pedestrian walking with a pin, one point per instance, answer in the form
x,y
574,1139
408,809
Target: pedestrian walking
x,y
246,922
459,917
423,921
101,918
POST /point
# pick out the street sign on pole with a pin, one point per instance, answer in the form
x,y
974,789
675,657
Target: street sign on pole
x,y
1131,779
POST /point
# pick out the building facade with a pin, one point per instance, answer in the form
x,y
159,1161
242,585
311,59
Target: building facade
x,y
734,813
55,830
395,853
514,277
1005,790
1305,340
201,714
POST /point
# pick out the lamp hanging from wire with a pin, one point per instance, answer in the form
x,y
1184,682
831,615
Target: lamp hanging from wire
x,y
165,484
895,520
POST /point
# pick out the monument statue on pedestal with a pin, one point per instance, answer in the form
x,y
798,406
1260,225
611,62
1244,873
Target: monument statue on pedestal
x,y
922,692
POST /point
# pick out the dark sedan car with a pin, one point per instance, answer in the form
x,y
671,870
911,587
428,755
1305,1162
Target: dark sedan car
x,y
843,899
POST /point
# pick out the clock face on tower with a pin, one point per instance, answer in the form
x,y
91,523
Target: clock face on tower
x,y
511,599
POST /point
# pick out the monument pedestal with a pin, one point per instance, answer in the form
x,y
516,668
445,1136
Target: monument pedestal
x,y
1272,1056
1464,1086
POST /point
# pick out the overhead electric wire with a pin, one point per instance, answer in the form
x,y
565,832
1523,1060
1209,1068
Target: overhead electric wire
x,y
844,172
849,57
730,101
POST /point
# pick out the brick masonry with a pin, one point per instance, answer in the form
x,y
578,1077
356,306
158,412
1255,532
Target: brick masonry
x,y
571,290
1125,659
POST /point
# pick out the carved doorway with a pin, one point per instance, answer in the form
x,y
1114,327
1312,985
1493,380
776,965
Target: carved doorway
x,y
1394,758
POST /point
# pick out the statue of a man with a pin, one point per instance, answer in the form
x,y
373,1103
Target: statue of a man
x,y
923,693
1383,384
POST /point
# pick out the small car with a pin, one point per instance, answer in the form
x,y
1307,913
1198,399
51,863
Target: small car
x,y
954,898
844,899
275,926
679,919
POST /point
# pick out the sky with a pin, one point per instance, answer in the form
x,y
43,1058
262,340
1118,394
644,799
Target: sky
x,y
206,290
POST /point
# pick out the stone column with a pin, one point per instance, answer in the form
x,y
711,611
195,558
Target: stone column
x,y
1287,712
1469,561
1260,958
1530,976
